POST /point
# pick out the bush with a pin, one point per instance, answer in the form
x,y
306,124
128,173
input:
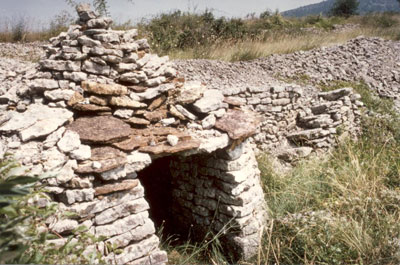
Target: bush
x,y
345,8
24,238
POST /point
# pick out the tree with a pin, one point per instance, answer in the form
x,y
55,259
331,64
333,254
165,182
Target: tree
x,y
345,8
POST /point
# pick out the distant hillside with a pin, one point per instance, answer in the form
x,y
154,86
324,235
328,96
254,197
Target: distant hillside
x,y
366,6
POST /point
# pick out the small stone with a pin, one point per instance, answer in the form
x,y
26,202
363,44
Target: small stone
x,y
186,113
167,122
64,226
82,153
208,122
95,68
172,140
126,102
212,100
69,142
110,188
137,121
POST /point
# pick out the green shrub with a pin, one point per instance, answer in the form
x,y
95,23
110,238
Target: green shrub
x,y
345,8
23,237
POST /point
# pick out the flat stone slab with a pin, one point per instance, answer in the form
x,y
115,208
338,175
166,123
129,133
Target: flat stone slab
x,y
37,121
102,129
132,143
165,148
104,89
238,124
110,188
107,158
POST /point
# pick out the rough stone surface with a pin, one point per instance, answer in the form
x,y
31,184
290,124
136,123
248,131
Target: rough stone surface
x,y
100,129
238,124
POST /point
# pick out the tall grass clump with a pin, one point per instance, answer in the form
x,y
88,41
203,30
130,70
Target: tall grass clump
x,y
343,208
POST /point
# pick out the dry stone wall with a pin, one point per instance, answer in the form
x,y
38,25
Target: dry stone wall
x,y
221,195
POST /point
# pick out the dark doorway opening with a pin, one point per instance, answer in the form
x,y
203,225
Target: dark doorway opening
x,y
157,182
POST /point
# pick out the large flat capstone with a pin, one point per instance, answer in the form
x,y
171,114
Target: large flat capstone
x,y
238,124
102,129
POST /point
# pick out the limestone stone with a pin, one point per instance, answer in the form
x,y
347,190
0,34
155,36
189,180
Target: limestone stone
x,y
132,143
59,94
137,121
156,103
69,142
61,65
109,37
85,13
212,100
25,122
135,235
126,102
89,42
172,140
135,251
133,77
208,122
122,210
53,138
125,67
129,35
72,196
66,172
336,94
153,82
90,108
102,129
75,76
82,153
99,23
121,226
123,113
110,188
63,226
98,100
44,84
238,124
136,161
185,113
113,174
95,68
164,148
108,157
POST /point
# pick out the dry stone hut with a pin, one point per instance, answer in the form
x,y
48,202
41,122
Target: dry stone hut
x,y
132,144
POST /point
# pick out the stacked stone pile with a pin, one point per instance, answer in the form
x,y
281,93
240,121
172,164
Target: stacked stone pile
x,y
374,61
98,109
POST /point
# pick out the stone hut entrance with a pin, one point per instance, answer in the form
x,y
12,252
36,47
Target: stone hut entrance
x,y
157,182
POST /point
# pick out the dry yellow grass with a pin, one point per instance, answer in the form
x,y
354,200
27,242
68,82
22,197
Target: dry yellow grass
x,y
280,44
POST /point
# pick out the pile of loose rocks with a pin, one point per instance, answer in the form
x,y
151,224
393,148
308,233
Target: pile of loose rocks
x,y
97,110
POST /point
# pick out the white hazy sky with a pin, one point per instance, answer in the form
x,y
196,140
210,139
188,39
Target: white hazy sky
x,y
122,10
